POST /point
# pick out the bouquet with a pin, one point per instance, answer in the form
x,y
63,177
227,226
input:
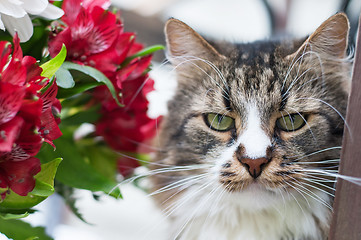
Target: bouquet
x,y
73,104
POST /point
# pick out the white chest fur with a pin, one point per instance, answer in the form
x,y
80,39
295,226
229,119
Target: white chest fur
x,y
251,215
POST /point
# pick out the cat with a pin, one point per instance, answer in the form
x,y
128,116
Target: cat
x,y
250,147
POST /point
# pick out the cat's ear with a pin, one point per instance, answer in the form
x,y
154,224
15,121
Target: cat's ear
x,y
184,44
329,39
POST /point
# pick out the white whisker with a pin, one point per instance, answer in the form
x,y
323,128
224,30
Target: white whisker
x,y
190,59
332,107
185,181
311,194
317,152
321,162
355,180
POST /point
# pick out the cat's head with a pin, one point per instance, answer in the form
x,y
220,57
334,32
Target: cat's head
x,y
262,117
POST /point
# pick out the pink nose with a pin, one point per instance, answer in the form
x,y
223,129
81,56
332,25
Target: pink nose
x,y
254,166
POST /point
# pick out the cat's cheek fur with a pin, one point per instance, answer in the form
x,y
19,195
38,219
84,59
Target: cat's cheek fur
x,y
204,215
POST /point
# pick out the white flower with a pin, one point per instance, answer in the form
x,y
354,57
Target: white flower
x,y
14,15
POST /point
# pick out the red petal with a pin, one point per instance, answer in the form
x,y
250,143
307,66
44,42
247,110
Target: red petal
x,y
107,61
20,174
34,86
16,154
33,71
105,32
49,127
148,86
71,10
29,140
124,73
9,132
14,73
81,30
90,4
149,128
31,110
49,96
93,32
125,43
11,97
17,53
103,95
142,65
56,43
134,92
5,49
134,70
56,109
117,129
3,181
135,48
125,130
126,166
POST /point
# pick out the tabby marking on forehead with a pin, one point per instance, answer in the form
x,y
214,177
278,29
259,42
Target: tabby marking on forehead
x,y
253,139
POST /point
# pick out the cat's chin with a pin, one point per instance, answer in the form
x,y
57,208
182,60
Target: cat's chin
x,y
248,185
255,186
254,196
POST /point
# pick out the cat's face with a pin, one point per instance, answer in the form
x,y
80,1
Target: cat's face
x,y
263,119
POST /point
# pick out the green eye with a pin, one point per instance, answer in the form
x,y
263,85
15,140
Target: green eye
x,y
219,122
291,122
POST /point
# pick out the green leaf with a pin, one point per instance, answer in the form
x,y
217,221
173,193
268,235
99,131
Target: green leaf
x,y
79,100
90,115
14,201
48,171
76,169
19,230
102,158
145,52
8,216
95,74
78,88
64,79
44,187
4,211
51,66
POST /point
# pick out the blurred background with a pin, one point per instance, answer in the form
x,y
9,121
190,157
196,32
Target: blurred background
x,y
136,217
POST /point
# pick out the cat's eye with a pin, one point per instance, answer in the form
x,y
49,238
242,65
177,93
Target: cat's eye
x,y
219,122
291,122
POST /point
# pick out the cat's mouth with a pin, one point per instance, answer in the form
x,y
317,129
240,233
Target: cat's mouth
x,y
254,185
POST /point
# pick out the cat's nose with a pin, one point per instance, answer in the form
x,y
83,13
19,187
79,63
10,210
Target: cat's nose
x,y
254,166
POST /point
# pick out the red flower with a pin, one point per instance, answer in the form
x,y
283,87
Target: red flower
x,y
126,165
73,7
18,175
24,120
94,36
50,117
124,129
